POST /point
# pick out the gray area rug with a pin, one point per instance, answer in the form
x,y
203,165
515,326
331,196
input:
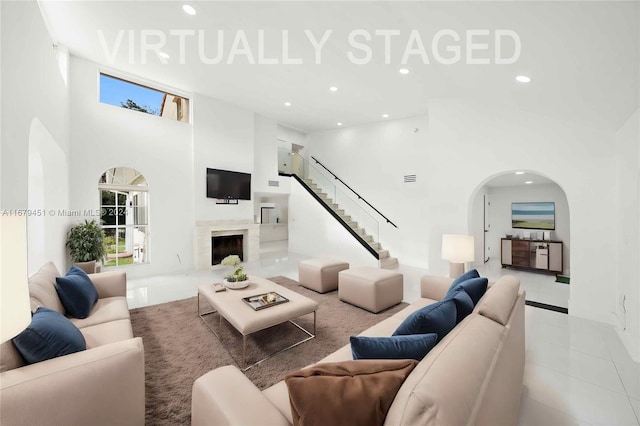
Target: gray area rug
x,y
179,347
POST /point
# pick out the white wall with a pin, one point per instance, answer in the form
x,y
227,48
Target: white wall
x,y
628,234
373,159
279,207
266,157
282,208
290,136
105,136
574,155
173,157
477,227
48,196
1,102
290,140
466,144
223,138
314,232
500,215
35,104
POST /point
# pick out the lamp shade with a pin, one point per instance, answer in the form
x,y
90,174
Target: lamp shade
x,y
458,248
15,310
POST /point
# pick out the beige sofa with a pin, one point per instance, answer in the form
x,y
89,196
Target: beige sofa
x,y
473,376
103,385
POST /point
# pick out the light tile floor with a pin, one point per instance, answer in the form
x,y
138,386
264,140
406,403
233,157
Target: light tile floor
x,y
541,288
577,371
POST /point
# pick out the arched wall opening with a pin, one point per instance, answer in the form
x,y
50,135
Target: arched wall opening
x,y
48,199
489,216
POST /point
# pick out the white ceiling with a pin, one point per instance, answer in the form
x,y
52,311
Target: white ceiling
x,y
583,56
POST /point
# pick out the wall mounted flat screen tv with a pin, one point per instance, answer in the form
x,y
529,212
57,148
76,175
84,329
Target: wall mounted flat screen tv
x,y
533,215
226,184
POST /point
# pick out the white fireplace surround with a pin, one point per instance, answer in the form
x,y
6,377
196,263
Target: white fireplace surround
x,y
204,230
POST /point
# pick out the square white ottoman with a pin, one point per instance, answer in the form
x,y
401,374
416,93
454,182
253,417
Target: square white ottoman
x,y
320,275
370,288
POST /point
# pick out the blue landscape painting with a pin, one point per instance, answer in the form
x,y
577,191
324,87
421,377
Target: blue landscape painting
x,y
533,215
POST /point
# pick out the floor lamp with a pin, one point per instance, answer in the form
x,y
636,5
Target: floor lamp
x,y
457,249
15,310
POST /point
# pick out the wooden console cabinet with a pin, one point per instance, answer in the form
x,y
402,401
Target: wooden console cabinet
x,y
540,255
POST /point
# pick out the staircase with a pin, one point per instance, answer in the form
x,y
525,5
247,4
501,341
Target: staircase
x,y
384,260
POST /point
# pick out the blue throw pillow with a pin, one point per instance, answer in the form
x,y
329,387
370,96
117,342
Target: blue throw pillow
x,y
462,278
475,288
394,347
49,335
77,292
464,304
439,318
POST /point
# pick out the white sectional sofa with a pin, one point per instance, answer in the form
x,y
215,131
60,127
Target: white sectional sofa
x,y
473,376
102,385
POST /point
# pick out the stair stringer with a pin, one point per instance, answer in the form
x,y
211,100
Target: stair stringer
x,y
315,232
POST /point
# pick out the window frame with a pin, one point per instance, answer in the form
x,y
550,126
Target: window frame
x,y
127,190
147,84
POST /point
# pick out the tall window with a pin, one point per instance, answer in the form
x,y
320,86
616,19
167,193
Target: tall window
x,y
124,201
136,97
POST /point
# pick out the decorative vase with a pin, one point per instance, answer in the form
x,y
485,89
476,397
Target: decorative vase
x,y
236,285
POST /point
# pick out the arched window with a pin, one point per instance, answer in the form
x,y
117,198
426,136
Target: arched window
x,y
124,213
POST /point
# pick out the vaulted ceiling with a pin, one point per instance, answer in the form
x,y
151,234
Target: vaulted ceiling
x,y
583,56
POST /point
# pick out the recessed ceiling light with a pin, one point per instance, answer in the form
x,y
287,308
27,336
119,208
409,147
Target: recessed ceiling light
x,y
385,115
403,70
188,9
288,104
529,182
164,55
339,123
523,79
333,88
519,173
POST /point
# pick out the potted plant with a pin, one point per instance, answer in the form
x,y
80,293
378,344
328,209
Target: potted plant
x,y
237,279
86,244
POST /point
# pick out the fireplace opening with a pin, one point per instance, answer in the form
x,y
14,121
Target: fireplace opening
x,y
223,246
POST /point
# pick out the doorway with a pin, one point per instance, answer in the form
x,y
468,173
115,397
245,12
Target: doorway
x,y
490,221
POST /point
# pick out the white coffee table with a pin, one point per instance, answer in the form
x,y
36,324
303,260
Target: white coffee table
x,y
230,306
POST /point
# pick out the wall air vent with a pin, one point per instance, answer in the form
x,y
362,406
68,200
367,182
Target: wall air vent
x,y
409,178
274,183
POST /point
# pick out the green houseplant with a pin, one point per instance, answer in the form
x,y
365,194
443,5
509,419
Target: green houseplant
x,y
86,242
237,279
